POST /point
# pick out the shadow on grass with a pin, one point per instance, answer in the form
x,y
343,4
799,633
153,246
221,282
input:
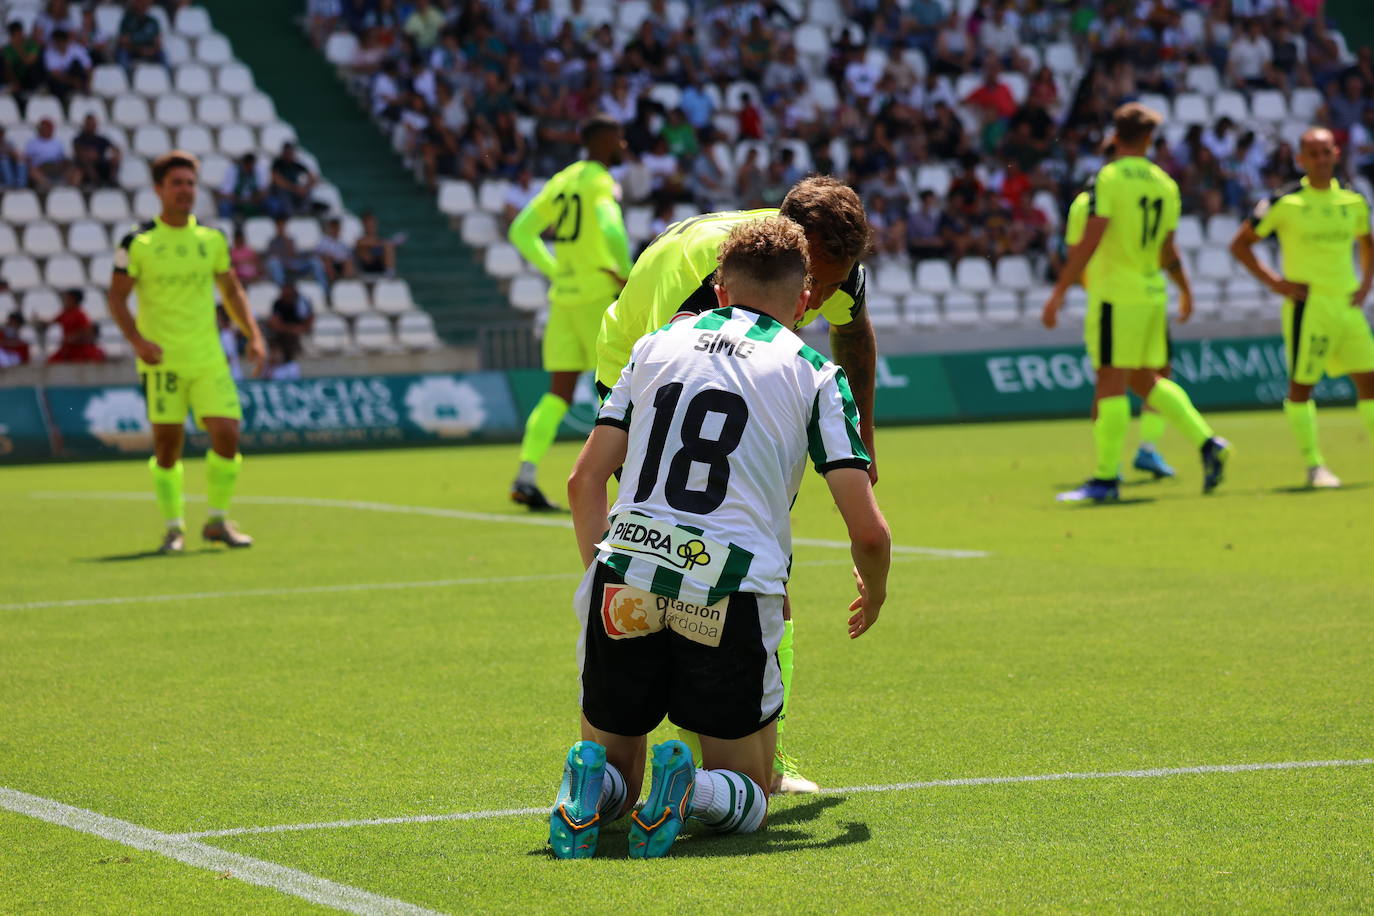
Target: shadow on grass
x,y
781,835
148,555
1289,491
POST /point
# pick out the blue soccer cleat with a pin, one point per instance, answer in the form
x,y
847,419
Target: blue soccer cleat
x,y
1149,460
576,821
1216,451
659,820
1095,490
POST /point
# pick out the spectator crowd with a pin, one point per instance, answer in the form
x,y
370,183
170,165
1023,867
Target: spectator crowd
x,y
720,105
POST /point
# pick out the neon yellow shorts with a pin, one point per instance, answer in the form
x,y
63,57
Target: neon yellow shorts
x,y
570,337
207,391
1326,334
1127,336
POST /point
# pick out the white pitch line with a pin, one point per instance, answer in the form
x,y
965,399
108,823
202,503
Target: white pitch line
x,y
850,790
199,855
439,512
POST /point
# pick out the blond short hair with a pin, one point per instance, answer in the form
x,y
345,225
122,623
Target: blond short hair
x,y
1135,123
764,253
175,159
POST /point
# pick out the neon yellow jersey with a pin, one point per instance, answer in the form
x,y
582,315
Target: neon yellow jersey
x,y
1142,205
174,270
1074,225
675,275
588,235
1316,231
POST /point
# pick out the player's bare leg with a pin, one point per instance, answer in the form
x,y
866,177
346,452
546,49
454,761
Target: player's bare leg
x,y
541,428
168,475
222,464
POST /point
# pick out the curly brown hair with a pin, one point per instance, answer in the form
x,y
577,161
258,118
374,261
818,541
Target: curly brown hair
x,y
762,252
832,216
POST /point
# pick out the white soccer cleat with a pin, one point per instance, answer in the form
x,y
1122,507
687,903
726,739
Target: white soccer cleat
x,y
795,785
1320,478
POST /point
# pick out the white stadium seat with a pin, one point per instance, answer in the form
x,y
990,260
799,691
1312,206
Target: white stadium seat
x,y
1268,105
960,308
349,297
86,238
134,173
935,177
1191,108
199,140
528,292
150,141
1213,264
1002,307
192,22
456,198
1231,105
1159,103
43,305
64,271
82,105
21,273
102,267
258,231
146,204
256,108
340,48
193,80
9,241
922,310
1221,229
234,79
109,80
392,297
883,310
1202,78
45,108
502,261
330,334
973,275
1304,103
177,50
65,205
213,50
20,206
172,110
311,292
110,205
893,278
1188,235
491,196
415,331
9,111
129,111
271,137
41,240
261,295
372,333
933,276
151,81
214,110
1013,272
479,229
235,140
1061,58
305,231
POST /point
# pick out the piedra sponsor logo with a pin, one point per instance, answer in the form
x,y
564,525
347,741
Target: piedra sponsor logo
x,y
636,538
447,407
118,417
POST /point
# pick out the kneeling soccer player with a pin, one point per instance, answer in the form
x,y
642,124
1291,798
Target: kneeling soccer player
x,y
681,607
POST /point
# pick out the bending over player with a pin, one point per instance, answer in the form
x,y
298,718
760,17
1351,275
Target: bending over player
x,y
713,418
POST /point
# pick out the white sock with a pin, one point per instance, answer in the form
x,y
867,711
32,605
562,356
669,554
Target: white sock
x,y
612,793
527,473
216,515
728,801
176,523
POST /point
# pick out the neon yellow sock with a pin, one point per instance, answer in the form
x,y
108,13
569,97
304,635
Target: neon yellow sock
x,y
1173,402
167,485
221,474
542,428
1109,432
1152,425
1366,409
693,741
785,666
1302,416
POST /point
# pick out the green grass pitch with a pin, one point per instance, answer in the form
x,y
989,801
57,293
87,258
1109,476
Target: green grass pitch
x,y
289,685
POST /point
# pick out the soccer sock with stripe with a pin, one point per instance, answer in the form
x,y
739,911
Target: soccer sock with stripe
x,y
221,474
785,666
727,801
541,428
1302,416
1366,409
167,485
1172,401
612,793
1109,433
1152,425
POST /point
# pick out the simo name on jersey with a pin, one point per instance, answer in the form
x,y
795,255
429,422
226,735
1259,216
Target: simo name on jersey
x,y
720,342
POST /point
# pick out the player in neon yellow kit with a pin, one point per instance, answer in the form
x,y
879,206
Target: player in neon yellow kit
x,y
675,276
1324,328
587,268
1152,423
174,265
1133,209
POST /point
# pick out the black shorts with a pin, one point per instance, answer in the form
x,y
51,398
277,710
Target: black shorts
x,y
711,670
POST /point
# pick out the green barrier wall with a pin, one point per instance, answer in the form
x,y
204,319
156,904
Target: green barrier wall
x,y
491,406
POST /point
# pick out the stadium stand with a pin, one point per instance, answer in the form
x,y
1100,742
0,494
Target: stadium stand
x,y
987,105
193,93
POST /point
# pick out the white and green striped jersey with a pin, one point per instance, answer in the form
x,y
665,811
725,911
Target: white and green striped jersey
x,y
723,410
